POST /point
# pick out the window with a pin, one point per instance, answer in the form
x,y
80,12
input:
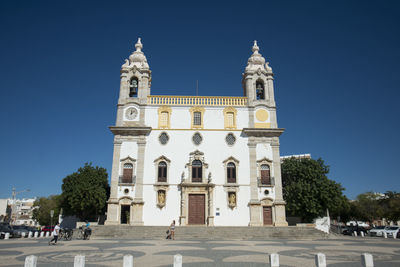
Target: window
x,y
127,173
231,172
197,167
230,119
230,139
162,172
163,138
197,118
164,119
260,92
133,87
197,139
265,175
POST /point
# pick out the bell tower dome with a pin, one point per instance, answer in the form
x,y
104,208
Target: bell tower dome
x,y
257,80
135,77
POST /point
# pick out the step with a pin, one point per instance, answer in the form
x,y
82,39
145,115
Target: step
x,y
204,232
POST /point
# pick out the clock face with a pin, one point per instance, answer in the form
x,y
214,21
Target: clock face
x,y
131,113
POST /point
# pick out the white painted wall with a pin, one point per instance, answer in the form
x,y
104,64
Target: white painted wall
x,y
177,150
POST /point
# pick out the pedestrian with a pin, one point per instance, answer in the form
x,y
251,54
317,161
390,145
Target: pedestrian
x,y
55,234
172,230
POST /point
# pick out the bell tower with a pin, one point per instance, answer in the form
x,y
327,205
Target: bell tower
x,y
135,77
257,80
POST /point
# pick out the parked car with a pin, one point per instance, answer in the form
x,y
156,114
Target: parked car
x,y
377,231
48,228
21,229
359,223
349,230
5,228
392,230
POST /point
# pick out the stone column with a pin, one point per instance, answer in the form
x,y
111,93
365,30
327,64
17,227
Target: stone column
x,y
254,204
137,204
270,81
113,205
250,92
123,88
279,203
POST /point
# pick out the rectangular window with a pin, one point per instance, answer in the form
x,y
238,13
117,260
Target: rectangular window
x,y
164,119
197,118
230,118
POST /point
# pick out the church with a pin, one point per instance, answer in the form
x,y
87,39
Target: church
x,y
198,160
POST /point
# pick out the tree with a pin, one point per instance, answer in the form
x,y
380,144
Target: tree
x,y
84,193
391,206
368,207
44,206
308,191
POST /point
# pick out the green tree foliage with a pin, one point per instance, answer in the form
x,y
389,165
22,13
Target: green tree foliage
x,y
308,191
85,192
391,206
44,206
368,207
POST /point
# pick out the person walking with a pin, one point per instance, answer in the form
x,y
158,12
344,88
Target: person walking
x,y
172,230
56,231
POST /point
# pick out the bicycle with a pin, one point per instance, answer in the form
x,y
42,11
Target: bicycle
x,y
66,234
84,233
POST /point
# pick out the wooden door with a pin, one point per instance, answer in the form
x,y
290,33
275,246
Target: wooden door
x,y
197,209
267,215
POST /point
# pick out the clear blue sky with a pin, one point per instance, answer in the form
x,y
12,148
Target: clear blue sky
x,y
336,65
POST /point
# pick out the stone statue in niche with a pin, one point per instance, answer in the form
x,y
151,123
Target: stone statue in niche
x,y
161,198
232,199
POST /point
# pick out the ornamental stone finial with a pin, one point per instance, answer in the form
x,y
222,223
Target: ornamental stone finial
x,y
139,45
256,61
255,47
137,58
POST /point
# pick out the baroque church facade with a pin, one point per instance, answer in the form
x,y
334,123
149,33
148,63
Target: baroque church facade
x,y
198,160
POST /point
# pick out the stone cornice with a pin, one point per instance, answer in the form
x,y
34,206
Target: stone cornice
x,y
120,130
263,132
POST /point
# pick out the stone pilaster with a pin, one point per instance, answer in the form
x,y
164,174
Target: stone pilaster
x,y
279,203
254,203
138,201
113,206
270,86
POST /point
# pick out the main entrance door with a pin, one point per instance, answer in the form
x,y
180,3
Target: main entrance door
x,y
267,215
125,214
197,209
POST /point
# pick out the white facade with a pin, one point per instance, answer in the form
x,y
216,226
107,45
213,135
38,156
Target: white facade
x,y
196,160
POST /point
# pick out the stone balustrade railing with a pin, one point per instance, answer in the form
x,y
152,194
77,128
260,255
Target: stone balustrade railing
x,y
197,100
320,260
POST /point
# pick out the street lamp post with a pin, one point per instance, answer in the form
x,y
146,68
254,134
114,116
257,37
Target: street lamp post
x,y
14,198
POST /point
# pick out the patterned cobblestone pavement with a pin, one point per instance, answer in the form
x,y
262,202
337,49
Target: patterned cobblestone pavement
x,y
339,252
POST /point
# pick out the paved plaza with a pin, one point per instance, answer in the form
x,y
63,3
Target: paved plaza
x,y
344,251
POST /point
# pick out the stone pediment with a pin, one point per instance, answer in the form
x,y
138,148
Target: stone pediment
x,y
264,159
162,158
231,159
128,158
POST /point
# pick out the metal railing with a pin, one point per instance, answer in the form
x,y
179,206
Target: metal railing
x,y
124,180
197,100
261,184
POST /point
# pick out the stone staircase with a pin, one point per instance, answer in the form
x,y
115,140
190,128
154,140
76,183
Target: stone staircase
x,y
206,233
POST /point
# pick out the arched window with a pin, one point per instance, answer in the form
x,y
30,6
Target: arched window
x,y
133,87
231,172
127,173
265,175
260,92
197,167
162,172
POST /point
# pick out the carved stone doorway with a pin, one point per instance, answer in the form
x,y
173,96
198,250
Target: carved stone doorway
x,y
197,205
125,214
